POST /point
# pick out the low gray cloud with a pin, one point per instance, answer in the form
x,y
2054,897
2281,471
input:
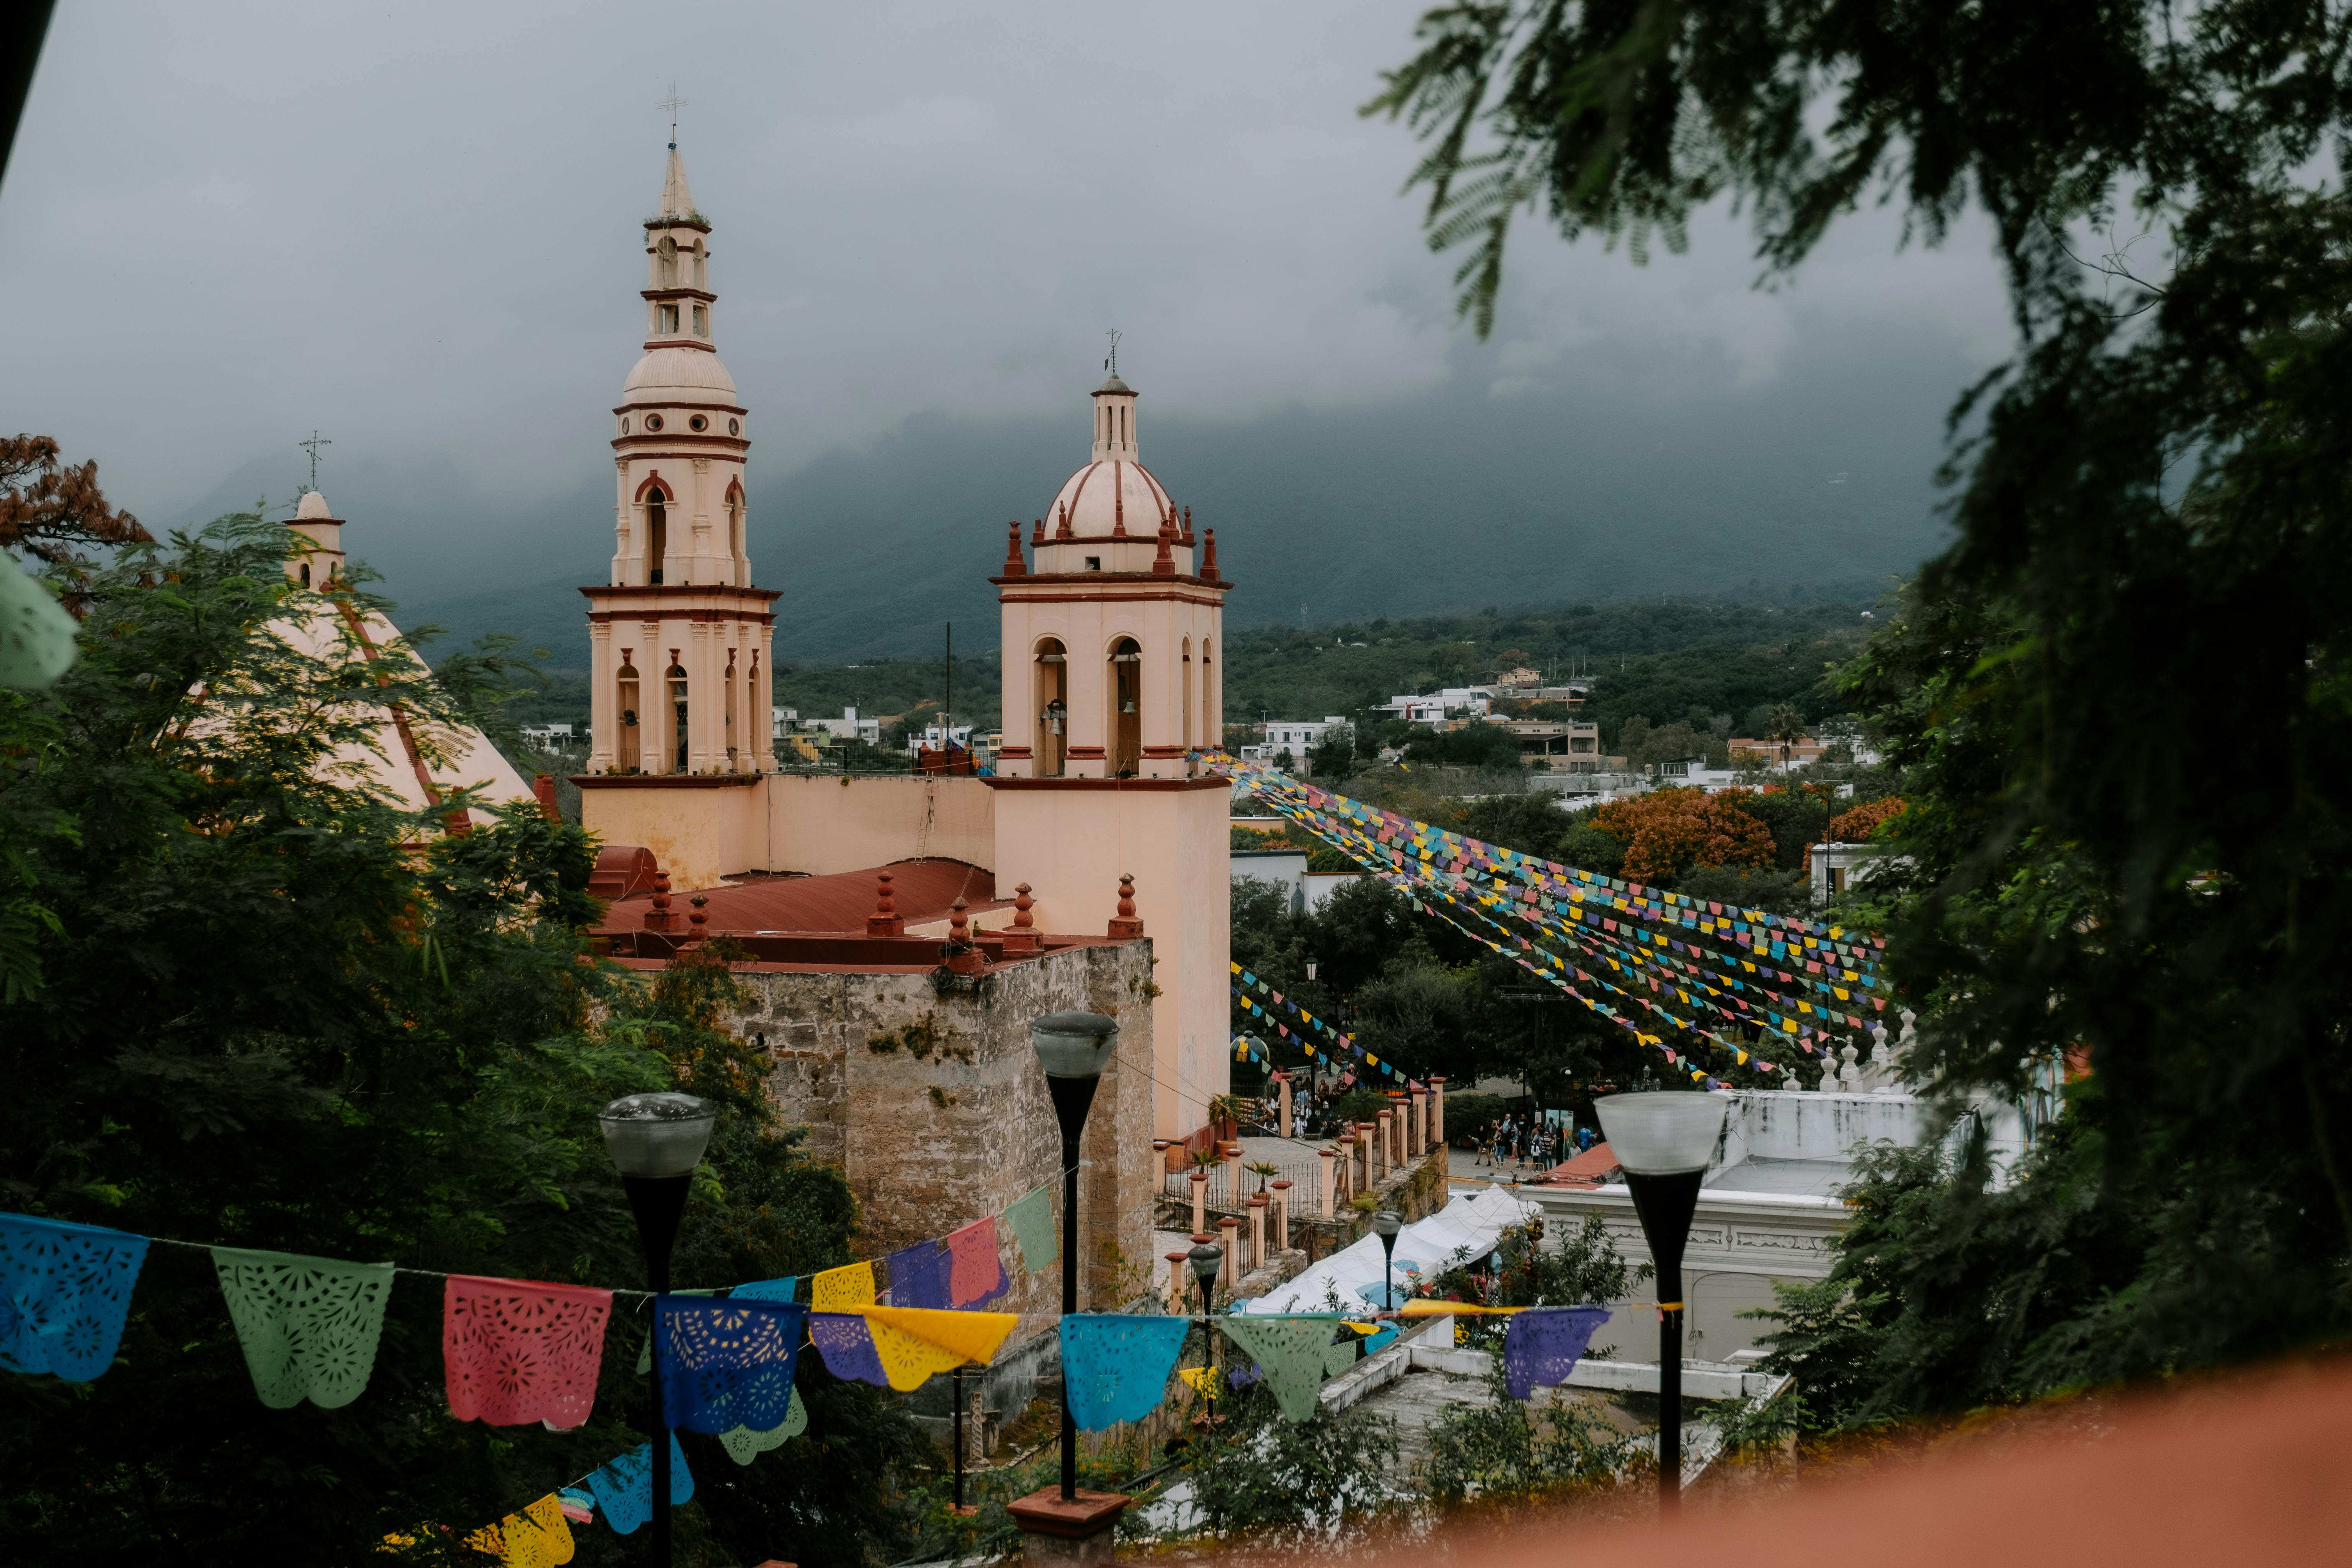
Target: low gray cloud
x,y
416,227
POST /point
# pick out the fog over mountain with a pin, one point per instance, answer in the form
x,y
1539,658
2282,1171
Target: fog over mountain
x,y
1617,478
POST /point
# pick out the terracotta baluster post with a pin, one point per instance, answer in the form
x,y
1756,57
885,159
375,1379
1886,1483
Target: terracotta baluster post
x,y
1124,925
1420,1122
883,921
1257,1207
1021,936
1437,1111
660,916
1230,1229
1284,1080
1323,1158
967,959
1179,1277
1199,1199
1386,1143
1281,1216
1233,1174
697,924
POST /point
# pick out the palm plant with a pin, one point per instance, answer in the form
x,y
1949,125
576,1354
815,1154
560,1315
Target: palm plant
x,y
1264,1170
1787,729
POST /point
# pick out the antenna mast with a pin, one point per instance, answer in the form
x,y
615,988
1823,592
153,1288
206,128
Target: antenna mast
x,y
670,106
1111,365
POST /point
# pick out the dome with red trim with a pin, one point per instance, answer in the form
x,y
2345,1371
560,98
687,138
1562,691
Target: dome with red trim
x,y
1114,492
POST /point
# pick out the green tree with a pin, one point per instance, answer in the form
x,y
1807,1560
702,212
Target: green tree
x,y
255,1011
2150,514
1277,1482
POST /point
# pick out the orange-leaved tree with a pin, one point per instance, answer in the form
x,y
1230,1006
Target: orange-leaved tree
x,y
1668,831
1863,820
47,508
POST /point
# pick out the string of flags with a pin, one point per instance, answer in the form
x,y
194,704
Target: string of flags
x,y
522,1351
1750,969
1248,982
517,1351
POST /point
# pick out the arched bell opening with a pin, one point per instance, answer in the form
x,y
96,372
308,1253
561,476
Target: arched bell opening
x,y
732,688
1126,728
677,676
656,534
1051,706
624,703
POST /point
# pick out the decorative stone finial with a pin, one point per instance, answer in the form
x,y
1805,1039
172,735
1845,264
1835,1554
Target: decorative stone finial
x,y
1037,534
883,921
1163,563
962,956
660,916
697,924
1124,924
1022,936
1188,527
1013,565
1209,554
1064,532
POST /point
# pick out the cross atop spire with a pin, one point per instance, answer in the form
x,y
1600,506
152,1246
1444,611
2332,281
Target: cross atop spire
x,y
670,106
312,445
1111,365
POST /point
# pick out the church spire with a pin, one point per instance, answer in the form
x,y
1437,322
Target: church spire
x,y
677,201
679,302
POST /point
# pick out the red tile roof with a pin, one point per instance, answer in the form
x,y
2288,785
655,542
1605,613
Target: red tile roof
x,y
1589,1169
923,890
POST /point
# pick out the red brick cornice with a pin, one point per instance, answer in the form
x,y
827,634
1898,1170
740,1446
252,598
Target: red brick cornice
x,y
1160,787
686,591
665,781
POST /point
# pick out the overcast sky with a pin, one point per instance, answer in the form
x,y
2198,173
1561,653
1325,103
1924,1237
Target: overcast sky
x,y
416,227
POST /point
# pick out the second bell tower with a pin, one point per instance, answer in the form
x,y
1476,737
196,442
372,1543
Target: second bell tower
x,y
1111,634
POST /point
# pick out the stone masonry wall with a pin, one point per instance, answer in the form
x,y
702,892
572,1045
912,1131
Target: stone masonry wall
x,y
934,1107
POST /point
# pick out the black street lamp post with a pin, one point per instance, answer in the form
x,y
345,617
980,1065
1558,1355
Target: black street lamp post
x,y
1663,1143
1073,1047
1207,1258
654,1142
1385,1225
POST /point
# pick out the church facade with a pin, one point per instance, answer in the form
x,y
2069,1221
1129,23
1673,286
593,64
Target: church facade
x,y
1099,826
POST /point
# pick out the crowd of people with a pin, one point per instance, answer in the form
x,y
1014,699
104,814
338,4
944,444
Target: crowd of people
x,y
1523,1140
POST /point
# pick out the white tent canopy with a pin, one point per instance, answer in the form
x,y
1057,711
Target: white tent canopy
x,y
1462,1232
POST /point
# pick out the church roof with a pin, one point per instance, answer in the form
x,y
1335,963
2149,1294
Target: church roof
x,y
922,890
671,375
1102,496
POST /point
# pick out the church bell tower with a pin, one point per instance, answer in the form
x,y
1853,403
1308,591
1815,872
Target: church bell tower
x,y
1112,627
681,640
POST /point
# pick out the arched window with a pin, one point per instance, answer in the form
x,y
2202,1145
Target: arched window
x,y
1125,758
678,703
624,707
656,533
1052,743
1213,734
732,688
701,267
735,537
665,271
1185,735
306,573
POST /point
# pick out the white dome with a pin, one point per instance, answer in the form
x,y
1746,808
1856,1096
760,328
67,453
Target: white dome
x,y
1098,493
678,375
312,508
